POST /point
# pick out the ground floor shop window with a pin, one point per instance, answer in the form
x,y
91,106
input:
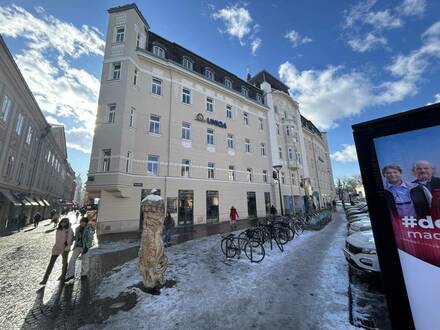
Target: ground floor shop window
x,y
252,204
212,203
185,211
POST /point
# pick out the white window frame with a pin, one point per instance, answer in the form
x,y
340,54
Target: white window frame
x,y
154,164
187,63
210,136
116,72
106,159
263,149
209,74
231,173
280,152
29,135
128,162
247,145
209,104
261,122
230,140
6,106
290,153
132,120
229,111
244,91
156,86
186,95
159,51
283,178
111,113
259,98
119,36
154,124
19,123
245,118
211,170
135,76
264,176
278,129
10,167
185,168
228,83
249,175
186,131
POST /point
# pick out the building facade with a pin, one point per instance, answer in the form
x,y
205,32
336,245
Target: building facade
x,y
171,120
34,172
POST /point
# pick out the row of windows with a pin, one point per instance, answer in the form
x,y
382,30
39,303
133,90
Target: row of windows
x,y
4,116
185,168
111,111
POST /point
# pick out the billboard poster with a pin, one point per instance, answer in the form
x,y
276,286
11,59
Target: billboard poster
x,y
409,164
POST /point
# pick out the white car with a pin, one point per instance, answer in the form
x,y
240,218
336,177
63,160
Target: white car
x,y
360,251
360,225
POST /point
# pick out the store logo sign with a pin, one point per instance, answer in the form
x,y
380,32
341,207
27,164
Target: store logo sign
x,y
215,122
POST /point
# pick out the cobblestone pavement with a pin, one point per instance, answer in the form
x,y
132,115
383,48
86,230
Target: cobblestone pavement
x,y
25,304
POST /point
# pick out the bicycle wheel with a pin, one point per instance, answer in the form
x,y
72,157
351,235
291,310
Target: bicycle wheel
x,y
298,226
228,247
254,251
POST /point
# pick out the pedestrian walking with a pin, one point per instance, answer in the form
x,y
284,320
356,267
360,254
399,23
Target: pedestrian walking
x,y
63,242
21,221
55,219
83,242
37,219
169,224
233,216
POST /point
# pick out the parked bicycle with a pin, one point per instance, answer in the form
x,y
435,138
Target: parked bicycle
x,y
233,245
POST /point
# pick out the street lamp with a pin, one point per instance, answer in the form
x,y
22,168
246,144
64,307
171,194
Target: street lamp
x,y
277,168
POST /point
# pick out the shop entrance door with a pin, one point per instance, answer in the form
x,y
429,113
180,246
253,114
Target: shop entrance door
x,y
252,204
212,203
185,214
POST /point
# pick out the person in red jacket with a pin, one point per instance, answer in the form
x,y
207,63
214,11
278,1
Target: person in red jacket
x,y
233,216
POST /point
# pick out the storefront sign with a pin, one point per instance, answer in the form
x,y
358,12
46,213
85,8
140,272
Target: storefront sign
x,y
398,163
138,184
214,122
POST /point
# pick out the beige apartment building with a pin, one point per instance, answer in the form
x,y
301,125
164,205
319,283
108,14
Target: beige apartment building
x,y
34,172
171,120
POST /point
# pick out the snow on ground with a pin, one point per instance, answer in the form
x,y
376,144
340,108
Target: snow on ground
x,y
305,287
109,247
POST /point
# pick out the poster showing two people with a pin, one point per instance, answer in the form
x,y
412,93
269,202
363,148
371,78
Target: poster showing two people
x,y
410,168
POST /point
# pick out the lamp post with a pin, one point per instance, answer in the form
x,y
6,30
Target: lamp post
x,y
277,168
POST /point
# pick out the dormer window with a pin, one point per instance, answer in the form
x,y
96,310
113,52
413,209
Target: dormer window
x,y
187,63
228,83
209,74
120,34
159,51
244,91
259,98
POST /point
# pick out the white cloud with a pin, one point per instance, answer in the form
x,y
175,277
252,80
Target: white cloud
x,y
346,155
255,44
238,24
65,93
367,42
237,20
437,98
296,39
365,28
326,96
413,7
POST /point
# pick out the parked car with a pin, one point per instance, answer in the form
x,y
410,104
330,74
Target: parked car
x,y
360,225
360,251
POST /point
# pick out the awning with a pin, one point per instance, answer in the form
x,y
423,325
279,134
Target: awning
x,y
10,197
25,201
45,202
39,201
32,201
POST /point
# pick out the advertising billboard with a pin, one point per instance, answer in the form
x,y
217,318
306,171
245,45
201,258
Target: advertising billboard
x,y
400,167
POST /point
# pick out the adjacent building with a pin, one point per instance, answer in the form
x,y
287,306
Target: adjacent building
x,y
206,139
34,172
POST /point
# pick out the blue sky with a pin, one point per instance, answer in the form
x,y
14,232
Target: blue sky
x,y
345,61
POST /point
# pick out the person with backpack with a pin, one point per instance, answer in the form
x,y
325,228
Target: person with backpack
x,y
83,242
21,221
63,242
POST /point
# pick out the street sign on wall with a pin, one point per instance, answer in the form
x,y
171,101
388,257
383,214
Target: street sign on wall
x,y
398,156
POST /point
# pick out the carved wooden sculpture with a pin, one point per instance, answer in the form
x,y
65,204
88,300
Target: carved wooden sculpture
x,y
152,261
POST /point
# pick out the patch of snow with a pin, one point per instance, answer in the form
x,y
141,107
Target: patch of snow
x,y
108,247
294,288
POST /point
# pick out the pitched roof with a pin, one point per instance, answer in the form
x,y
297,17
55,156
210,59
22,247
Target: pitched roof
x,y
127,7
275,83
